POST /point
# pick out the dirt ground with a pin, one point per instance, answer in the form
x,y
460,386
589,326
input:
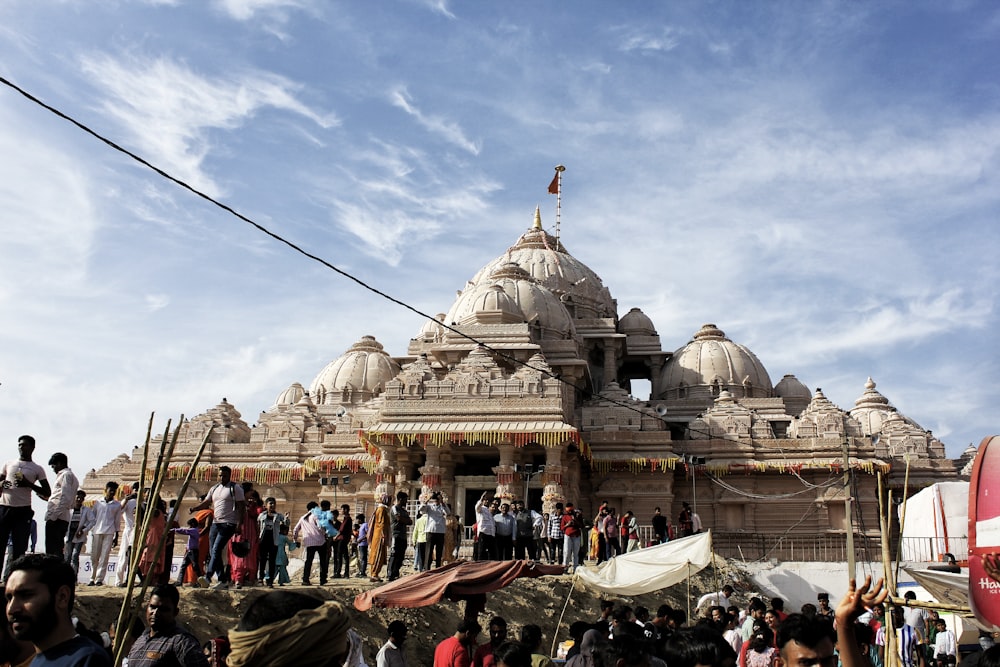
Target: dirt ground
x,y
208,613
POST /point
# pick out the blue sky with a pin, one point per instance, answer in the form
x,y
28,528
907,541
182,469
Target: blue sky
x,y
818,179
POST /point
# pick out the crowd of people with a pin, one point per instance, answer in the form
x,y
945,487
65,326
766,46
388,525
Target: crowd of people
x,y
506,530
236,539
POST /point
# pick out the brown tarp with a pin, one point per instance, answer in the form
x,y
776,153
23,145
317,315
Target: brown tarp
x,y
460,580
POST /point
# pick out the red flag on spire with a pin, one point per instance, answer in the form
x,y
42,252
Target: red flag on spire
x,y
554,185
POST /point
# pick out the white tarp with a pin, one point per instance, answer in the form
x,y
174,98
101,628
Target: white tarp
x,y
651,569
937,522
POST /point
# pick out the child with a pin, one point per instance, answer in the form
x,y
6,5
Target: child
x,y
191,552
281,560
361,540
944,644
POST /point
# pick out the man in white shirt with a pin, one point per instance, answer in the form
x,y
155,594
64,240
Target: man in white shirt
x,y
392,654
228,504
59,508
17,480
720,599
486,529
125,541
104,534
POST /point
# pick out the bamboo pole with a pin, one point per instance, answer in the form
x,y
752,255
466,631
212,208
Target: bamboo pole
x,y
902,518
159,476
121,632
555,633
885,519
942,606
127,611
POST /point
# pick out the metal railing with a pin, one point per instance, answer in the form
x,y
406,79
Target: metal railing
x,y
824,548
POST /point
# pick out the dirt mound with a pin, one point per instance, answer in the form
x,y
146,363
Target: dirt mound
x,y
208,613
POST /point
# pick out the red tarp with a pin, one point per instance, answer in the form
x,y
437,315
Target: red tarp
x,y
460,580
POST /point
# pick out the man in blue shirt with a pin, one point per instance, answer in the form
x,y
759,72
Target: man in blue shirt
x,y
505,527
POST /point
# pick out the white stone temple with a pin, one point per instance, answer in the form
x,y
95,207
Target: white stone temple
x,y
523,387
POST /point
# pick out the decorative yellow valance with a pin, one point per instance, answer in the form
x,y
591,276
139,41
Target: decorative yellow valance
x,y
328,463
258,474
554,434
638,465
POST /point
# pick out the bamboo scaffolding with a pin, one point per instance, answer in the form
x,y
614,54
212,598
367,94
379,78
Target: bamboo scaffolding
x,y
130,607
885,522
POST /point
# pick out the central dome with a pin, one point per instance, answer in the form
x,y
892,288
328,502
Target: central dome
x,y
711,363
510,290
547,261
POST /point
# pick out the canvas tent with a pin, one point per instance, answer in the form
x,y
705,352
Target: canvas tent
x,y
936,523
651,569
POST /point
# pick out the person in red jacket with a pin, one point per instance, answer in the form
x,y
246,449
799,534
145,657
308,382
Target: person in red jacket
x,y
457,650
572,528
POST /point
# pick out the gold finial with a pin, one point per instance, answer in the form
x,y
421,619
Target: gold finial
x,y
538,218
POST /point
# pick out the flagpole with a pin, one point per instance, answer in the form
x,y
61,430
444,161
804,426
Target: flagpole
x,y
559,171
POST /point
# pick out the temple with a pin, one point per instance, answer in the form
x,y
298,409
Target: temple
x,y
523,387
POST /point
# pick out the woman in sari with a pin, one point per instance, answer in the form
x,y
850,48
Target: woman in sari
x,y
244,567
151,564
378,538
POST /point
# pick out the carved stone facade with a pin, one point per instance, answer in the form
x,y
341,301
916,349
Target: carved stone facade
x,y
522,387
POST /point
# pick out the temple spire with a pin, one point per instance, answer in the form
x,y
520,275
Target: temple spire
x,y
538,218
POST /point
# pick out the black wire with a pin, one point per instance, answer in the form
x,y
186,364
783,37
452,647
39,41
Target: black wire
x,y
261,228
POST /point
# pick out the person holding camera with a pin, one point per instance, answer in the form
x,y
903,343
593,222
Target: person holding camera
x,y
436,511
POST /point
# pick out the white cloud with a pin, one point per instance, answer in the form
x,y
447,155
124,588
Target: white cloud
x,y
439,6
450,131
632,39
50,219
169,109
156,302
244,10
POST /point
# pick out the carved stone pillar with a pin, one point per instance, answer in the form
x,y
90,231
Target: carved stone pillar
x,y
610,362
430,473
508,479
385,473
552,479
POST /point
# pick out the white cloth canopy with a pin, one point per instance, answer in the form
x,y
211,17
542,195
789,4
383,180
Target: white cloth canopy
x,y
651,569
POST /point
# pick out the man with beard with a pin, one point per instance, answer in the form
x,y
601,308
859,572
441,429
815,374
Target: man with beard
x,y
40,594
164,644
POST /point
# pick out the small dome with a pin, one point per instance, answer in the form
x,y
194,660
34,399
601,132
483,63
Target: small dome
x,y
290,396
711,363
636,323
492,305
538,306
432,330
791,387
872,409
357,375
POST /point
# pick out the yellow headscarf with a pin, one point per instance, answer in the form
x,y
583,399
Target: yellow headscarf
x,y
310,638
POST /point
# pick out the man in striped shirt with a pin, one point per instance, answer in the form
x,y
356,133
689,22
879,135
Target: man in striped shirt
x,y
555,535
908,641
